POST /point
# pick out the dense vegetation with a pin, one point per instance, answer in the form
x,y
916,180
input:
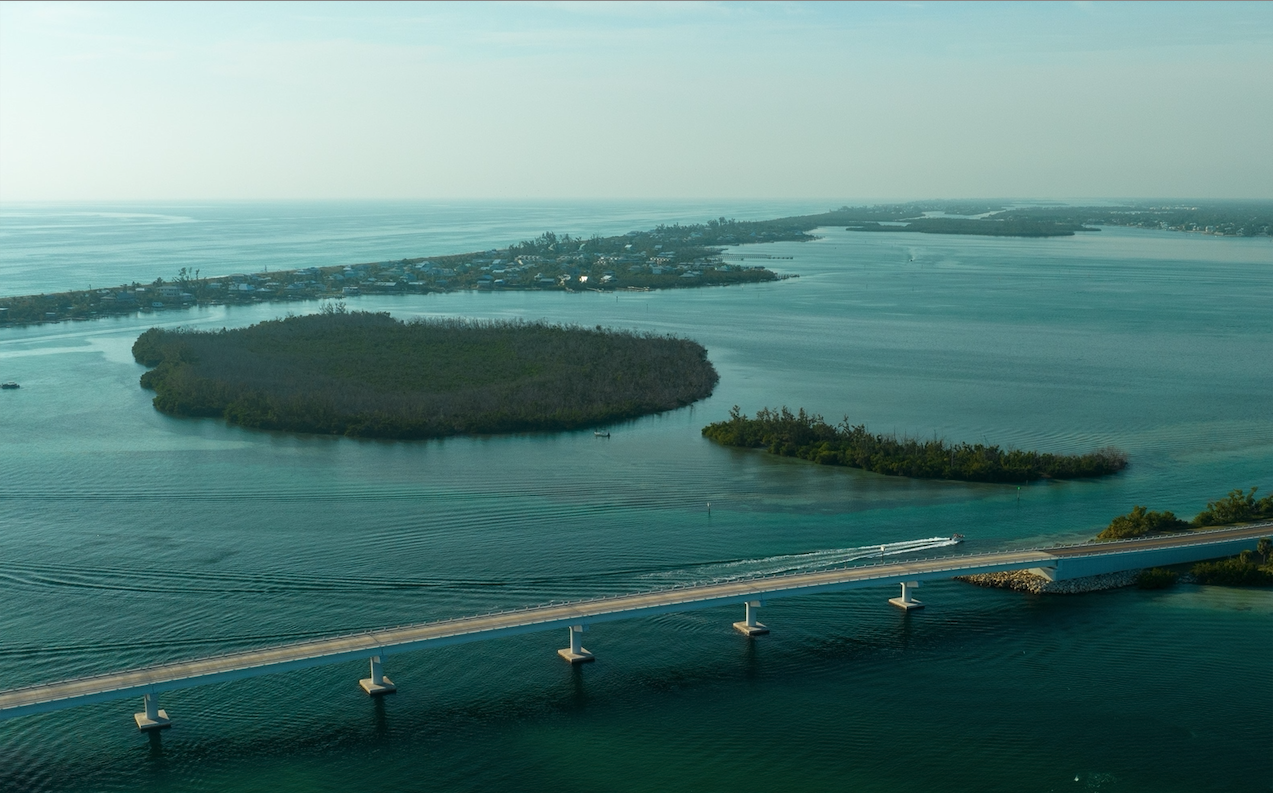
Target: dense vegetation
x,y
1156,578
1236,507
369,375
1240,570
809,437
1140,522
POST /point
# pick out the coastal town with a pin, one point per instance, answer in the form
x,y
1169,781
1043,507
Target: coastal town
x,y
667,257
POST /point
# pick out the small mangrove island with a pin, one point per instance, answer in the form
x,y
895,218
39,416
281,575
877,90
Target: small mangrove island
x,y
1238,506
1251,567
369,375
809,437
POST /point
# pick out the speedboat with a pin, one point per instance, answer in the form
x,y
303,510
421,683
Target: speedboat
x,y
600,434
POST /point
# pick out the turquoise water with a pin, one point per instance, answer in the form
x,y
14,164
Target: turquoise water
x,y
128,537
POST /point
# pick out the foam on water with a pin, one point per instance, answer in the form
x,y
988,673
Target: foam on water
x,y
809,562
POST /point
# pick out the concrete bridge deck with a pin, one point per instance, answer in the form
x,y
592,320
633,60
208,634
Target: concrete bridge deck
x,y
1058,563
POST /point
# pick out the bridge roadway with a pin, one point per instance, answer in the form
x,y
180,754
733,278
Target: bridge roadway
x,y
1057,563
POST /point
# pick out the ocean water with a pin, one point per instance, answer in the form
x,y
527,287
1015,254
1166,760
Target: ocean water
x,y
128,537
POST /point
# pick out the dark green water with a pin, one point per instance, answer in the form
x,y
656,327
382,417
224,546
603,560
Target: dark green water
x,y
127,537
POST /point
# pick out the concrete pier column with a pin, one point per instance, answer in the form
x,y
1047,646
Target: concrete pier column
x,y
575,653
749,625
377,685
906,601
152,716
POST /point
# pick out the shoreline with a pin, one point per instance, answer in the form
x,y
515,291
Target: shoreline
x,y
666,257
1034,584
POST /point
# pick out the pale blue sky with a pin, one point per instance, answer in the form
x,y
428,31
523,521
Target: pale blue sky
x,y
853,101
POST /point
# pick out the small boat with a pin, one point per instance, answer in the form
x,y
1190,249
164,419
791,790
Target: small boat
x,y
957,537
10,384
600,434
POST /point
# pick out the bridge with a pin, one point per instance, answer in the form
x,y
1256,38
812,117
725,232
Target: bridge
x,y
1057,563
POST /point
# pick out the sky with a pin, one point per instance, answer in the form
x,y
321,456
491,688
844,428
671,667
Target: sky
x,y
179,101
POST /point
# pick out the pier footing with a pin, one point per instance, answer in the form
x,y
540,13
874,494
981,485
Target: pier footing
x,y
151,717
906,602
581,657
377,685
749,626
575,653
385,686
159,722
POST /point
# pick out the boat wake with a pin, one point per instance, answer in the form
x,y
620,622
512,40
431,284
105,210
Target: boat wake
x,y
811,562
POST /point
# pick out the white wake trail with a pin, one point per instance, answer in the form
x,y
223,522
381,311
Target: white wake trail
x,y
810,562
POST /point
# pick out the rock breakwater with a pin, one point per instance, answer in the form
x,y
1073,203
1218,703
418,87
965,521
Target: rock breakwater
x,y
1026,581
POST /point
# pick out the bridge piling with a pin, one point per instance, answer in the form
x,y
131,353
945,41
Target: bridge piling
x,y
575,653
906,602
151,717
749,626
1064,562
377,685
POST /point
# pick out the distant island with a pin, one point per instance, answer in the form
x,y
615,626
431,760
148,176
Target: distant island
x,y
809,437
1218,218
666,257
987,228
368,375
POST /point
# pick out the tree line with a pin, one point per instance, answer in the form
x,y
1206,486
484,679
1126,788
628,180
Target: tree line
x,y
810,437
1237,507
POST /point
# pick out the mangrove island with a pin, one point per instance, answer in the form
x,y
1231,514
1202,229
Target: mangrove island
x,y
1236,507
809,437
1249,568
369,375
